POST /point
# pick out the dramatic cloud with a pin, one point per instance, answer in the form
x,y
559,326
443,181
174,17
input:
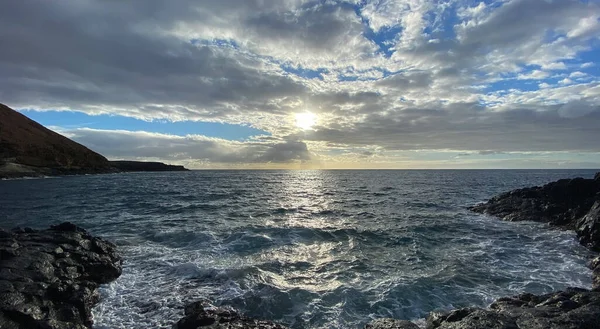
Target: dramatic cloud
x,y
193,150
387,80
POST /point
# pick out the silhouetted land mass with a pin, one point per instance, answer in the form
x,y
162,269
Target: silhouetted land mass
x,y
30,149
145,166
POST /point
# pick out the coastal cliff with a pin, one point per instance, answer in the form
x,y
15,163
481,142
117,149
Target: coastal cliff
x,y
28,149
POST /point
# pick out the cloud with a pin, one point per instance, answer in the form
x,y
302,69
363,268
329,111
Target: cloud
x,y
467,127
565,81
534,75
587,65
577,74
194,150
391,75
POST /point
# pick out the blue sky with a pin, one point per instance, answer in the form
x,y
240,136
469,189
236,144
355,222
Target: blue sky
x,y
74,120
323,84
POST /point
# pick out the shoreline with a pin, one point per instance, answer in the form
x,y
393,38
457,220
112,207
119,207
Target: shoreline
x,y
16,171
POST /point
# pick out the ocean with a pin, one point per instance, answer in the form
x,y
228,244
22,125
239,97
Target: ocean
x,y
309,249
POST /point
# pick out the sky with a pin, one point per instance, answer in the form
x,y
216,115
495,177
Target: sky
x,y
312,84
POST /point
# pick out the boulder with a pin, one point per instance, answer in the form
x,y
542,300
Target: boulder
x,y
49,279
391,324
202,314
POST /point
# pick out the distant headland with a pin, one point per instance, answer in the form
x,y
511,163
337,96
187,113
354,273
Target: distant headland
x,y
28,149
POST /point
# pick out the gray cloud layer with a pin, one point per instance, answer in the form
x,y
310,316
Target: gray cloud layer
x,y
221,61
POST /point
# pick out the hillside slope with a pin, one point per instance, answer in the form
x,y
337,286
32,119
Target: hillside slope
x,y
28,148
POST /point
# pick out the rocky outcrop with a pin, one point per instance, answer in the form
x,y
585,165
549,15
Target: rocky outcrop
x,y
145,166
595,267
567,203
49,278
202,314
391,324
588,228
29,149
570,309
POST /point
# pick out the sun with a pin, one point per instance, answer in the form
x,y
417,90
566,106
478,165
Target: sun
x,y
305,120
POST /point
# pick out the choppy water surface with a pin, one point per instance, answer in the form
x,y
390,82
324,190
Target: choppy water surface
x,y
311,249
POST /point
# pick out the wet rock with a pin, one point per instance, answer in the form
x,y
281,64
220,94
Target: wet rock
x,y
595,266
49,278
588,228
202,314
567,203
572,308
391,324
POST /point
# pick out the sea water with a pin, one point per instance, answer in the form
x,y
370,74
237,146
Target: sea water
x,y
309,249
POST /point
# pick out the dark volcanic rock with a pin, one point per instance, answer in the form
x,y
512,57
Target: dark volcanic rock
x,y
49,278
595,266
202,314
588,228
567,203
391,324
570,309
29,149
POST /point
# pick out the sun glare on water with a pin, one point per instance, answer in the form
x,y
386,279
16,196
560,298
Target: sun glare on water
x,y
305,120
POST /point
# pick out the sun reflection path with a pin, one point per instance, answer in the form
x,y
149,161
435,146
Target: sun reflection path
x,y
304,201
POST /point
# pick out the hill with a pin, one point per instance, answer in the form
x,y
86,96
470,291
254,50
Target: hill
x,y
29,149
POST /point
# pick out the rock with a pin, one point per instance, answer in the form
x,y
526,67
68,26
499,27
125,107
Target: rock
x,y
391,324
588,228
595,266
49,279
67,227
202,314
566,203
572,308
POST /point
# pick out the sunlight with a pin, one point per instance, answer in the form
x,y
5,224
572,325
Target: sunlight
x,y
305,120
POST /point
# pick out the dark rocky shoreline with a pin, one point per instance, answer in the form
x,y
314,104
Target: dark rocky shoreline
x,y
572,204
49,278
